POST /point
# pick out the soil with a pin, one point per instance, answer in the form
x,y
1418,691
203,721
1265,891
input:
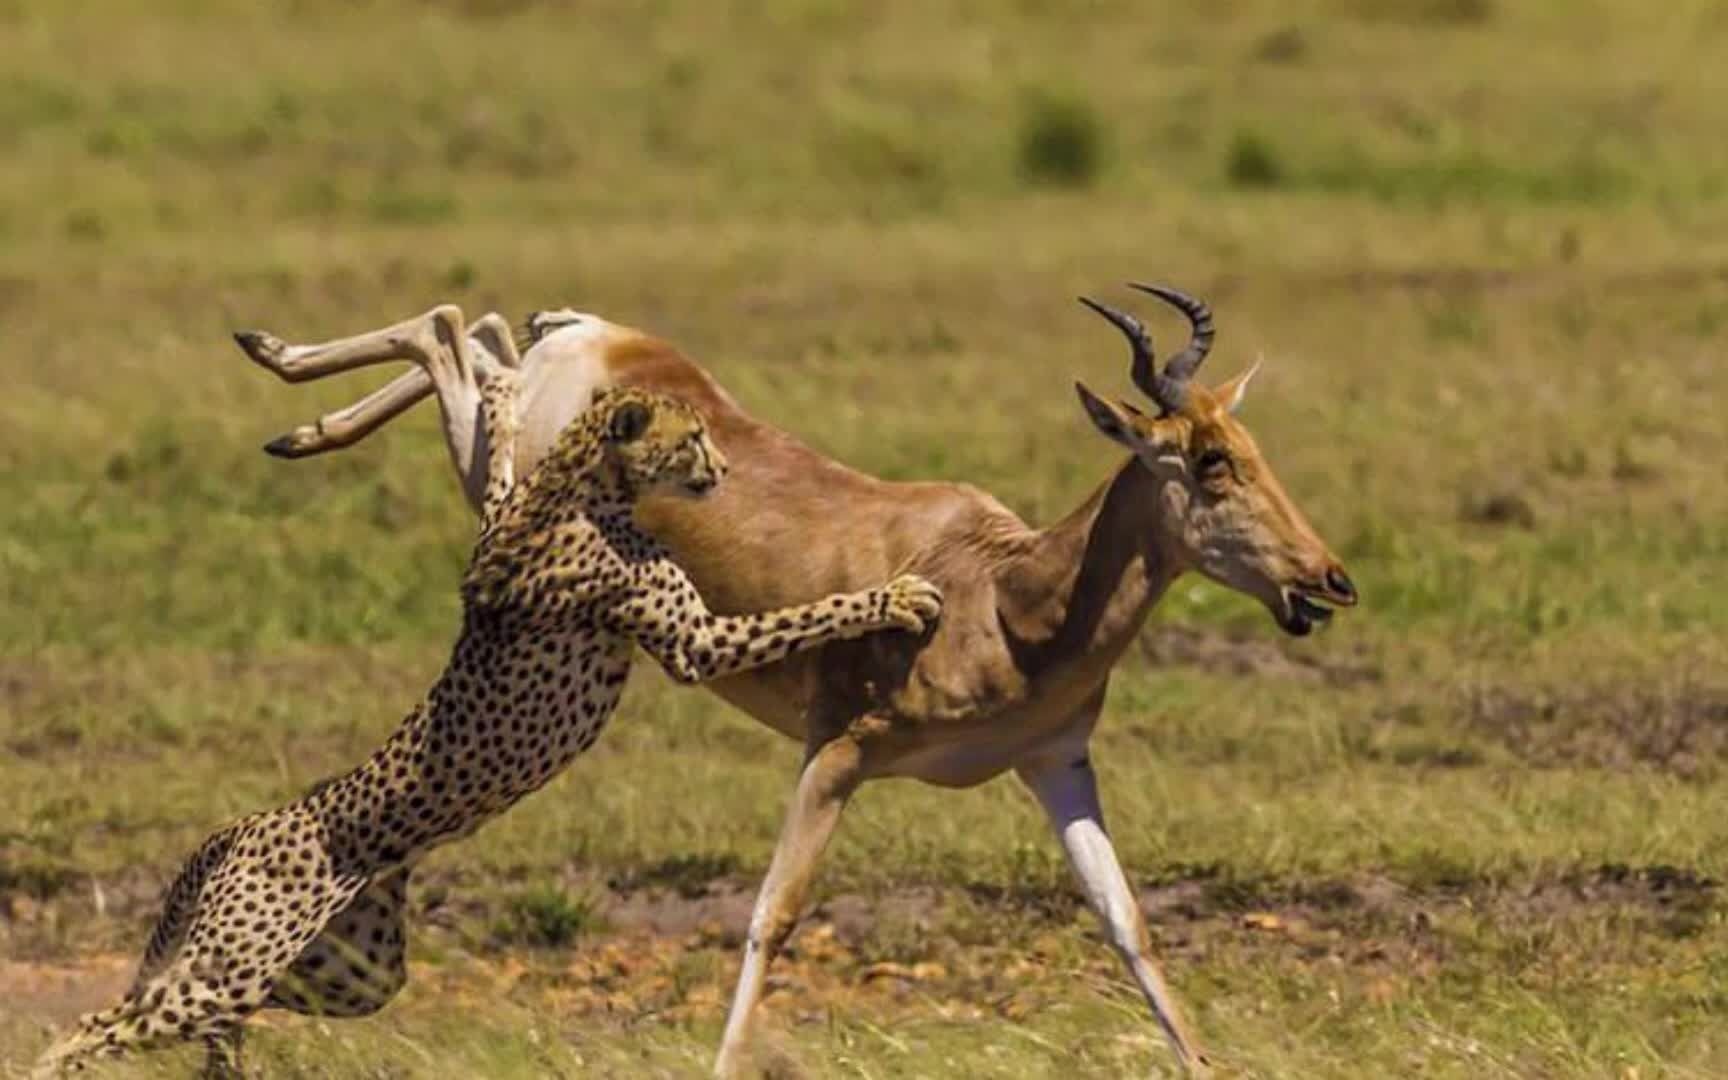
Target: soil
x,y
978,948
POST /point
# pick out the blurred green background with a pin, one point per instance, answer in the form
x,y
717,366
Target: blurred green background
x,y
1482,244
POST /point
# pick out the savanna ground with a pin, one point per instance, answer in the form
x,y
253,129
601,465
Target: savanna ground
x,y
1473,830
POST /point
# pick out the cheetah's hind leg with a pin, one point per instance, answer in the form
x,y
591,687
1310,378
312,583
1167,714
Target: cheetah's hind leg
x,y
500,425
252,920
222,1056
358,962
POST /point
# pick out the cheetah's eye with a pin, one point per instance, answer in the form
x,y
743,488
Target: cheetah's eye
x,y
629,423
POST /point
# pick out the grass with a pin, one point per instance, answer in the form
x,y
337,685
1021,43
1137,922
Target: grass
x,y
1469,831
546,917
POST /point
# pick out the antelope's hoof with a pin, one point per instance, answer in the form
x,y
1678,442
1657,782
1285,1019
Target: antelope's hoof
x,y
263,348
299,443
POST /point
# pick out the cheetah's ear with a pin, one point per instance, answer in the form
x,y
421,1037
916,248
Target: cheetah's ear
x,y
629,422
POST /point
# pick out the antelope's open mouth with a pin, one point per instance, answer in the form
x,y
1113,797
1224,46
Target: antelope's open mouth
x,y
1302,614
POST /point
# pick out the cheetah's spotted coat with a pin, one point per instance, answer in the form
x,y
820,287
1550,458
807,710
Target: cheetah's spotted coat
x,y
302,907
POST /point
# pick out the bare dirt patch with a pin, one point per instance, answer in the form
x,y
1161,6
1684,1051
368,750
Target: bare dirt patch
x,y
58,992
1226,653
1680,726
667,953
718,910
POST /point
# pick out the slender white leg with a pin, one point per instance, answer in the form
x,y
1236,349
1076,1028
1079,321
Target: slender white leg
x,y
831,773
348,425
492,345
438,343
1068,791
412,339
490,334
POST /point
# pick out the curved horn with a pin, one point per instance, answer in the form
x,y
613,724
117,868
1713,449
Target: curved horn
x,y
1184,364
1167,392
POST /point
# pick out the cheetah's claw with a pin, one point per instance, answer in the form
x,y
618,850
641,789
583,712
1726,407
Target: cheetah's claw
x,y
914,604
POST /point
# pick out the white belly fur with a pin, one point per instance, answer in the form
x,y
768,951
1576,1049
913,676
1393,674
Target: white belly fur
x,y
559,376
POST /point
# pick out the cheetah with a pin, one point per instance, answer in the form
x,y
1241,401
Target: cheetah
x,y
301,908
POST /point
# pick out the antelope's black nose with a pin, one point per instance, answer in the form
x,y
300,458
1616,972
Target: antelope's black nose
x,y
1338,583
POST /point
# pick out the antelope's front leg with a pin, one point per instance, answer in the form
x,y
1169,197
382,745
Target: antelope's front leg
x,y
831,773
1067,788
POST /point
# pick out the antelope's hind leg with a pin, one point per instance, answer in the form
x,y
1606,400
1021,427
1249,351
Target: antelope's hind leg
x,y
417,339
351,423
451,360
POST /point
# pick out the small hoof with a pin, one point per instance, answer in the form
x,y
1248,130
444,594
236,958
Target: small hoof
x,y
261,347
289,446
541,323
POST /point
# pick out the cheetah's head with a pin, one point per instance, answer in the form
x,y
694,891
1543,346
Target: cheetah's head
x,y
660,442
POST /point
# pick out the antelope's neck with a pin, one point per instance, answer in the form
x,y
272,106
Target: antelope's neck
x,y
1075,600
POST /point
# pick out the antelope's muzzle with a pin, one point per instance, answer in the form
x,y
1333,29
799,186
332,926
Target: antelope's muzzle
x,y
1310,605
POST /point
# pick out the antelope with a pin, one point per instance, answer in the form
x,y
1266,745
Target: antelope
x,y
1014,676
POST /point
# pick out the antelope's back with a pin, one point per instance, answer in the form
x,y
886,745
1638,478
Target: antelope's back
x,y
787,526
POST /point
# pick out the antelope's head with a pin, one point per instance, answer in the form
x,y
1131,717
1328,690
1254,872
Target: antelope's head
x,y
1224,512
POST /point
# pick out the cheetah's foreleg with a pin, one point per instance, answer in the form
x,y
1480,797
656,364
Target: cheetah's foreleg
x,y
695,645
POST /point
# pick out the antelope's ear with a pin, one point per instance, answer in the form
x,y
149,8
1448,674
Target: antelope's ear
x,y
1112,420
629,422
1230,392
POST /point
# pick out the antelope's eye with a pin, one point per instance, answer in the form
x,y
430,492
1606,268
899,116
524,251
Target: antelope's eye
x,y
1211,461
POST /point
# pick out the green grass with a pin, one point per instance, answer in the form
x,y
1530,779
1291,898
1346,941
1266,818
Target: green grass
x,y
1487,279
546,917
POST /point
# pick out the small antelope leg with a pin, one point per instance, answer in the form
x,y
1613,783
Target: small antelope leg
x,y
437,342
491,335
831,773
413,339
347,426
493,347
1068,792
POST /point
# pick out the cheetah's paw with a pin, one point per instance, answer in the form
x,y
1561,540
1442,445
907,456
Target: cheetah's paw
x,y
913,604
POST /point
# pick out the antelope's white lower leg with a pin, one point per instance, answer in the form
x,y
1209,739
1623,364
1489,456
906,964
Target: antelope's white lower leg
x,y
831,774
1067,788
348,425
453,360
494,348
413,339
